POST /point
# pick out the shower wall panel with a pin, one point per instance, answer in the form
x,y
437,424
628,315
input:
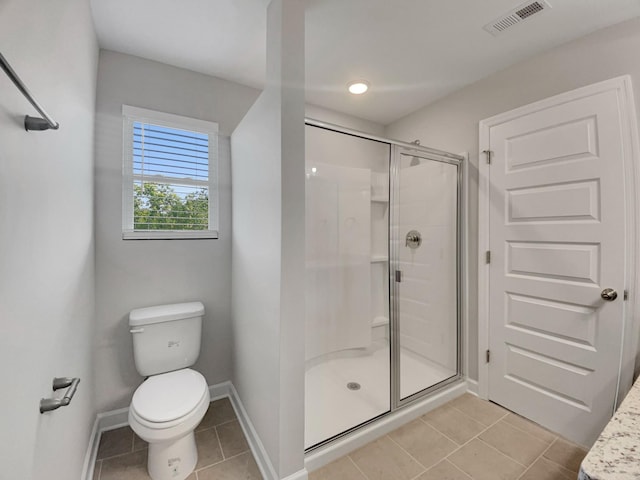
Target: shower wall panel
x,y
428,204
338,260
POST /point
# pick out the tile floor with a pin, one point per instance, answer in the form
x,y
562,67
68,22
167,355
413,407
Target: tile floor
x,y
467,438
223,452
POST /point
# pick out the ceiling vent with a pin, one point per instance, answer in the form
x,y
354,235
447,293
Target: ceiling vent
x,y
515,16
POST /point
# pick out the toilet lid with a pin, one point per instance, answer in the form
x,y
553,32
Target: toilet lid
x,y
169,396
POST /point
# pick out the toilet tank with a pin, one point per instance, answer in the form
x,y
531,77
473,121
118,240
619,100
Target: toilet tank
x,y
166,337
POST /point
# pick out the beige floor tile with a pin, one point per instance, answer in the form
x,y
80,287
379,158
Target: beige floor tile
x,y
453,423
220,411
445,470
138,443
423,442
566,454
514,443
115,442
482,462
385,460
543,469
530,427
341,469
209,451
192,477
232,439
132,466
480,410
242,467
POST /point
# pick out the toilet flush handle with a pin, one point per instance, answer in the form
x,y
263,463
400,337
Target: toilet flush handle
x,y
136,330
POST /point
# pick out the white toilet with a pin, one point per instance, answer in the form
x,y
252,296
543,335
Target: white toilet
x,y
169,405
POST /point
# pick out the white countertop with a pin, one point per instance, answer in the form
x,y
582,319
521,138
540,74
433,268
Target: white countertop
x,y
616,453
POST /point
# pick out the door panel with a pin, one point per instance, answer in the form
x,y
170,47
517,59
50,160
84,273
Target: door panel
x,y
573,140
577,201
562,321
562,262
557,233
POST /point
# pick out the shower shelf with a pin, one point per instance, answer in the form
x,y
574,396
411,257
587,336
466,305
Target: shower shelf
x,y
380,321
379,199
379,258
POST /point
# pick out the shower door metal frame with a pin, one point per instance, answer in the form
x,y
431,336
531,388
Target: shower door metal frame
x,y
396,148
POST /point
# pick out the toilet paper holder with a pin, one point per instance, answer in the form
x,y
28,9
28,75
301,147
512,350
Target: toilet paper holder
x,y
71,384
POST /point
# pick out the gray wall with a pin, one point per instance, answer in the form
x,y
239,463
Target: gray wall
x,y
268,247
46,237
139,273
452,123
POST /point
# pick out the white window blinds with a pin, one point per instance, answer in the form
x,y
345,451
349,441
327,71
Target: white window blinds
x,y
169,182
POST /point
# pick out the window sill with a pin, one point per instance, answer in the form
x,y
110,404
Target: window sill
x,y
170,235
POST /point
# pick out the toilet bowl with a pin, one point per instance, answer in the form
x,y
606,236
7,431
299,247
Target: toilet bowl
x,y
165,410
168,406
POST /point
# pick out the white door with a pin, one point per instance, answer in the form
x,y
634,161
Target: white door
x,y
557,241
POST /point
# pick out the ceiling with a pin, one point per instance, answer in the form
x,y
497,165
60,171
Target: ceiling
x,y
411,51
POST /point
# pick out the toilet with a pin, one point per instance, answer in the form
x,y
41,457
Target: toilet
x,y
168,406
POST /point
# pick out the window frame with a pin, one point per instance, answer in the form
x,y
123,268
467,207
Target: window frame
x,y
132,115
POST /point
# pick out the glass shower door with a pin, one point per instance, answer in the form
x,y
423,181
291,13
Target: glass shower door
x,y
425,290
347,379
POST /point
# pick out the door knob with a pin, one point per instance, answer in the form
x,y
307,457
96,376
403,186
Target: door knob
x,y
609,294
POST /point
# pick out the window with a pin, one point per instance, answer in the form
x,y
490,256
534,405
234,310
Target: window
x,y
169,176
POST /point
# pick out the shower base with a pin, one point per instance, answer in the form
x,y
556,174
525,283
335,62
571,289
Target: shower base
x,y
332,407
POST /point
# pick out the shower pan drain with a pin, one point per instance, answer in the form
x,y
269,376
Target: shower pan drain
x,y
353,386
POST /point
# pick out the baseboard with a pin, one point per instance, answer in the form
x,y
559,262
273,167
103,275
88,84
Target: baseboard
x,y
299,475
92,452
104,422
113,419
220,390
255,444
119,418
472,386
340,447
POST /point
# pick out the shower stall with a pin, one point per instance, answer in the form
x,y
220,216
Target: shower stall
x,y
383,262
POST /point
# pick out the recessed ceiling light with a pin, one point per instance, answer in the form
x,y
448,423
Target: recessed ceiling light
x,y
358,87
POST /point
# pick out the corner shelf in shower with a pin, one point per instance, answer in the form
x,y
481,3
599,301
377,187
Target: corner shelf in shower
x,y
379,258
380,321
380,199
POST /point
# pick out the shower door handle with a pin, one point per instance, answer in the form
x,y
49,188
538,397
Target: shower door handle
x,y
398,276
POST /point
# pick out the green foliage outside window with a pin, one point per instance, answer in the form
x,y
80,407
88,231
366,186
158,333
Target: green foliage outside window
x,y
159,207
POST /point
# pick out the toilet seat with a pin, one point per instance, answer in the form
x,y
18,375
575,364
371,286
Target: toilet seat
x,y
165,400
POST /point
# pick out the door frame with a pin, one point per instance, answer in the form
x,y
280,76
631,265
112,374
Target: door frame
x,y
442,391
631,153
460,162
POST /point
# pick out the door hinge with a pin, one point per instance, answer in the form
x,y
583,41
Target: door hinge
x,y
488,356
398,276
626,295
488,154
487,256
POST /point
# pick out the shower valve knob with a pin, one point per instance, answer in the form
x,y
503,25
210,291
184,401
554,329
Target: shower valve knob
x,y
413,239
